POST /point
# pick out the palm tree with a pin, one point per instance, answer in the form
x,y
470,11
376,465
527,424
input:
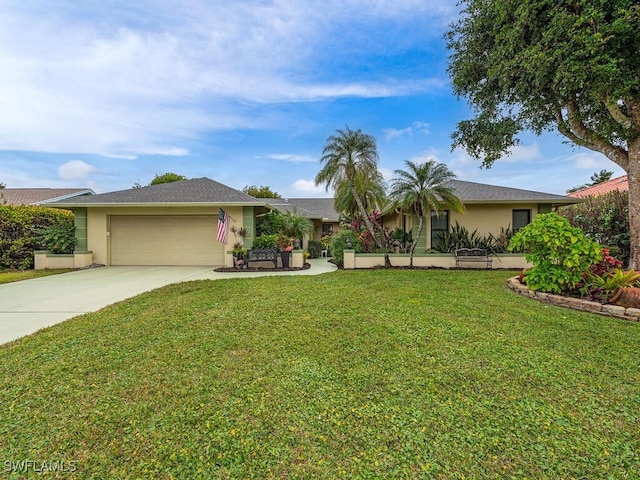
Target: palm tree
x,y
372,191
349,157
296,226
422,189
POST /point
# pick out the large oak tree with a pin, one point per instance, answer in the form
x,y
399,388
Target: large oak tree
x,y
539,65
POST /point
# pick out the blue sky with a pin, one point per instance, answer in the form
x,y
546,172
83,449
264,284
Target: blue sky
x,y
107,93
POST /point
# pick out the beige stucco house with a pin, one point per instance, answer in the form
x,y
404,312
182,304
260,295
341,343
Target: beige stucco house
x,y
168,224
175,223
489,209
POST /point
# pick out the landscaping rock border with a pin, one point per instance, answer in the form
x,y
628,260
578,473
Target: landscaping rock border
x,y
632,314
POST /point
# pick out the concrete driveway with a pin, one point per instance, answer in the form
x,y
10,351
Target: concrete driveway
x,y
28,306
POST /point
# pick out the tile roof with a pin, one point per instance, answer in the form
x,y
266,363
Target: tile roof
x,y
471,192
34,196
620,183
197,190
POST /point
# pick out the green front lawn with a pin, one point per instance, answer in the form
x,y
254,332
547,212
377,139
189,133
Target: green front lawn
x,y
356,374
8,276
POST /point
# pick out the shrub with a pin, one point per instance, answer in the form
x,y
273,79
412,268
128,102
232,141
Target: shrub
x,y
559,252
605,219
269,224
314,247
265,241
339,243
60,238
24,229
602,287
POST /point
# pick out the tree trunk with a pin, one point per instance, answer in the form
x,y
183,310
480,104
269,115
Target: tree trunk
x,y
633,173
415,242
367,222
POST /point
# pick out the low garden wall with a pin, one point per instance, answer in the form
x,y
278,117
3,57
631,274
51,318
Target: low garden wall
x,y
575,303
44,259
352,260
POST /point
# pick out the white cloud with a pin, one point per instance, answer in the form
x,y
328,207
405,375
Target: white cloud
x,y
308,187
590,161
522,153
416,127
75,170
112,79
290,157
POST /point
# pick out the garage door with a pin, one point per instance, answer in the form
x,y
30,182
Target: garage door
x,y
165,240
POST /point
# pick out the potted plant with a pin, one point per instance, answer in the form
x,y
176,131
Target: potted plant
x,y
285,245
239,253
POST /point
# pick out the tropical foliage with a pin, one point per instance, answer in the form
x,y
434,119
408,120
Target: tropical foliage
x,y
269,224
340,242
560,253
295,226
605,219
421,189
460,237
314,247
349,158
265,241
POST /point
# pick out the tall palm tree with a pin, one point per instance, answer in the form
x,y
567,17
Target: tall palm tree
x,y
422,189
348,157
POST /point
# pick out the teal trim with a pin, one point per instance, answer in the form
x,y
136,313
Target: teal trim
x,y
422,241
249,223
82,233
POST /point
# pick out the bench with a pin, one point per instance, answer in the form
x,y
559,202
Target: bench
x,y
464,255
263,255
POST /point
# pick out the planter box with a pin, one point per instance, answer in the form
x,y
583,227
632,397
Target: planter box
x,y
43,259
507,261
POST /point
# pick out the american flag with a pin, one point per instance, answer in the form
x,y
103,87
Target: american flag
x,y
223,226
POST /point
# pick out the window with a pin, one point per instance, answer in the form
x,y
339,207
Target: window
x,y
439,226
327,229
521,218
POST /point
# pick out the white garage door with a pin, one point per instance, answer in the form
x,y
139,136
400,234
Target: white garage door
x,y
165,240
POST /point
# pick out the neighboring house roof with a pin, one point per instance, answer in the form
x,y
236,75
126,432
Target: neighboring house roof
x,y
39,196
314,208
620,183
471,192
197,191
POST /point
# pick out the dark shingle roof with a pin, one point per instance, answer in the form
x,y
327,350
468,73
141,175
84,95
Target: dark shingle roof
x,y
197,190
315,208
35,196
471,192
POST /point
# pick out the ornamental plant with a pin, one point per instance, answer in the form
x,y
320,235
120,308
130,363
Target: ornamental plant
x,y
560,253
339,244
602,287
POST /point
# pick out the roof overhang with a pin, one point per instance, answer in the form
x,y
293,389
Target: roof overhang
x,y
156,204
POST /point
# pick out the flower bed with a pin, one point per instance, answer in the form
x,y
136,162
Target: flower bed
x,y
575,303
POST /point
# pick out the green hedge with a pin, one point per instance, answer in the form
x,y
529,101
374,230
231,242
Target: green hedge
x,y
24,229
314,247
